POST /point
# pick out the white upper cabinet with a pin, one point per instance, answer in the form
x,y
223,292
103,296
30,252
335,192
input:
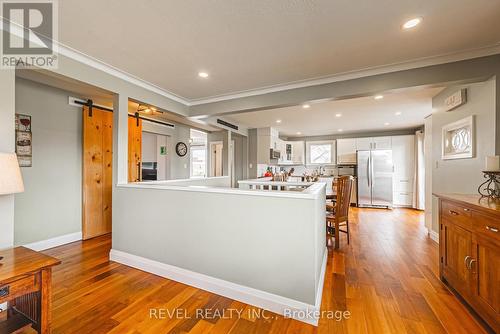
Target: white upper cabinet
x,y
381,143
363,144
373,143
346,151
298,149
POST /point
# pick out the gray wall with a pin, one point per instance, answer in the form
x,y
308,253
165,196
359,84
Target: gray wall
x,y
277,251
240,157
463,175
51,205
178,167
252,153
7,110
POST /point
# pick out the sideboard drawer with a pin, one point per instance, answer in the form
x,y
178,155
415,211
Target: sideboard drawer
x,y
486,226
18,288
460,215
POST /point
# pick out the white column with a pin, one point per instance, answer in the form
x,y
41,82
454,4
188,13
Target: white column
x,y
7,139
230,157
120,139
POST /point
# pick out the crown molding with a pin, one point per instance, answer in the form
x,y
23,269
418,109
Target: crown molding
x,y
116,72
366,72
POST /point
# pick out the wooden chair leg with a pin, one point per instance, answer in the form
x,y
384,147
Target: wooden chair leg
x,y
348,232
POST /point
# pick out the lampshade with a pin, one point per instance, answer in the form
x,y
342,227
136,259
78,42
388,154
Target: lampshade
x,y
11,181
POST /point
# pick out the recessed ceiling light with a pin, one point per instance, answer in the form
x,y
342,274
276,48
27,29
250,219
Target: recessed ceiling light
x,y
299,133
278,121
412,23
305,106
203,74
340,130
387,123
379,97
397,113
338,115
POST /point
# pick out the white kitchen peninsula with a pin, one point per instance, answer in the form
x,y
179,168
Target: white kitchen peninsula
x,y
264,248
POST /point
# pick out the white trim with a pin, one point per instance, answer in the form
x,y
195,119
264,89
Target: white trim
x,y
54,242
433,235
247,295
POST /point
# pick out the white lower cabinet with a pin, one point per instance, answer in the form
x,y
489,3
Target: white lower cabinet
x,y
401,198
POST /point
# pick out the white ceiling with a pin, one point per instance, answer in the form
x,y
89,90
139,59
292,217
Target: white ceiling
x,y
251,44
362,114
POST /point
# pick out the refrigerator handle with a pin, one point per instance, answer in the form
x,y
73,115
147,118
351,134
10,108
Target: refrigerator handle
x,y
368,170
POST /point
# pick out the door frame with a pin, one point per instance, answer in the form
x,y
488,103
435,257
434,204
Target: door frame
x,y
214,143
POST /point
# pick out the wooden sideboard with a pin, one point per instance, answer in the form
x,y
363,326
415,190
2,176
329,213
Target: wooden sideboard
x,y
25,284
469,251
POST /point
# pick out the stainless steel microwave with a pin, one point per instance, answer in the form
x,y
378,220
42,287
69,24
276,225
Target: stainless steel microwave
x,y
275,154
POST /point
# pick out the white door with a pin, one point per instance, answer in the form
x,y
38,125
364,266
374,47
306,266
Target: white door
x,y
216,159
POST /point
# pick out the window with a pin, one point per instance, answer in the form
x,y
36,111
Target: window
x,y
320,153
198,155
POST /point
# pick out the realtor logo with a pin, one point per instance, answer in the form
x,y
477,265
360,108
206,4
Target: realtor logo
x,y
28,33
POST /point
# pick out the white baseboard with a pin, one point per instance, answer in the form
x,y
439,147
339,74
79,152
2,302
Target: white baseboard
x,y
433,235
54,242
281,305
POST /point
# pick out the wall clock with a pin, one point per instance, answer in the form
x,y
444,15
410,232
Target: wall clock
x,y
181,149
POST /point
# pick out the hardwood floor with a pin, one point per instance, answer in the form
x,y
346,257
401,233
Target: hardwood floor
x,y
387,278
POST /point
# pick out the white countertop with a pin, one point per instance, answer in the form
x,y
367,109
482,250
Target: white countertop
x,y
313,190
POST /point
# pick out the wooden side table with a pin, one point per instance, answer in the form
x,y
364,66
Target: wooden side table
x,y
26,285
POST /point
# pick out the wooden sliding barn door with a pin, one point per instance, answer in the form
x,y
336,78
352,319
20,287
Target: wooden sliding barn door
x,y
97,171
134,149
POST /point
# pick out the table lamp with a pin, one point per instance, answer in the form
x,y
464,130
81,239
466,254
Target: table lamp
x,y
11,181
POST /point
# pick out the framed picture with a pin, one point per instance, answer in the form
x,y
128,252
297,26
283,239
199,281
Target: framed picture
x,y
23,122
24,160
23,143
458,139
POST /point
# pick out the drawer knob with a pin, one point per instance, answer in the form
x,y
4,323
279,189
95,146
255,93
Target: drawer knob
x,y
454,213
4,291
492,229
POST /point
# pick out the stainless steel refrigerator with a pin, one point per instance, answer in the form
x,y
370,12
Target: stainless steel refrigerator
x,y
375,169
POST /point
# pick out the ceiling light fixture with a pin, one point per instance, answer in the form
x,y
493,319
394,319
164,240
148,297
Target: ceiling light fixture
x,y
379,97
397,113
305,106
278,121
203,74
338,115
412,23
387,123
299,133
340,130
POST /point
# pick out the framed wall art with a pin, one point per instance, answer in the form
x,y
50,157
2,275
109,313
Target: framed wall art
x,y
458,139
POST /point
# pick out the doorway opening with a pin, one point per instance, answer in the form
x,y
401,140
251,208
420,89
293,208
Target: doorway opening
x,y
216,161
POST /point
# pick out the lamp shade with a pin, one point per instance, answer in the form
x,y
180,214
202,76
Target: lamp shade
x,y
11,181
